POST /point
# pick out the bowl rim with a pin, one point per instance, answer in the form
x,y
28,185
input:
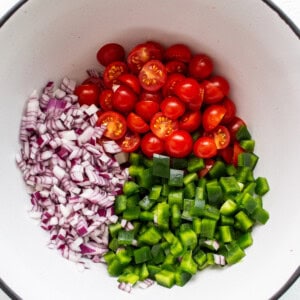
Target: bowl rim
x,y
296,30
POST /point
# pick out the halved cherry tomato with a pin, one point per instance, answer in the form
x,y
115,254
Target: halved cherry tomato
x,y
172,107
212,116
190,121
146,109
130,142
153,75
136,123
124,99
209,162
216,88
162,126
172,79
200,66
87,94
152,96
115,124
179,144
151,144
112,72
197,102
237,150
97,81
176,66
221,136
179,52
187,89
105,100
234,126
130,80
142,53
227,154
109,53
205,147
230,110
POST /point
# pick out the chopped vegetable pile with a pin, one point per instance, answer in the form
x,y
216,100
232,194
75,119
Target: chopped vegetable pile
x,y
144,166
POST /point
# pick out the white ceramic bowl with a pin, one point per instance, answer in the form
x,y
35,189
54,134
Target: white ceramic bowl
x,y
259,54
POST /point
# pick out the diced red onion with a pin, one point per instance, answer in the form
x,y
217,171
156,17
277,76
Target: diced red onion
x,y
73,178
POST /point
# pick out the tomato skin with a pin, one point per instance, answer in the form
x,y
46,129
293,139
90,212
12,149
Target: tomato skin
x,y
112,73
151,96
142,53
205,147
162,126
172,80
136,124
124,99
87,94
200,66
131,81
115,124
109,53
130,142
190,121
105,100
209,162
172,107
212,116
179,52
151,144
237,149
187,89
179,144
234,126
146,109
153,75
216,88
97,81
176,66
221,136
230,110
197,102
227,154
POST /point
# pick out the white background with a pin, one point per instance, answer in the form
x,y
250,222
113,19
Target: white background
x,y
292,9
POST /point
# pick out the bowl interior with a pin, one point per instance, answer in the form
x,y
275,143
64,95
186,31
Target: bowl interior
x,y
251,46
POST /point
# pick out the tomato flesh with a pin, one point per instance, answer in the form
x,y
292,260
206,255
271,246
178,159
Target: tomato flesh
x,y
115,124
221,136
153,75
112,73
105,100
179,144
130,142
162,126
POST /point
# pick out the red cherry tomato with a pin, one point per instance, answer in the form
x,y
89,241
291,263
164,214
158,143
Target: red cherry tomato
x,y
131,81
221,136
212,116
179,144
151,144
216,88
109,53
152,96
200,66
146,109
172,107
172,80
115,124
237,150
190,121
179,52
105,100
187,89
124,99
142,53
87,94
153,75
162,126
209,162
227,154
234,126
176,66
230,110
196,103
97,81
136,123
205,147
130,142
112,73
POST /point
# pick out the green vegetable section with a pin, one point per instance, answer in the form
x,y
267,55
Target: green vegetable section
x,y
181,223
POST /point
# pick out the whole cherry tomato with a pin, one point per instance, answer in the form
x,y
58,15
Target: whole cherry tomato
x,y
187,89
124,99
87,94
179,144
172,107
212,116
216,88
130,80
176,66
179,52
190,121
200,66
146,109
109,53
151,144
205,147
